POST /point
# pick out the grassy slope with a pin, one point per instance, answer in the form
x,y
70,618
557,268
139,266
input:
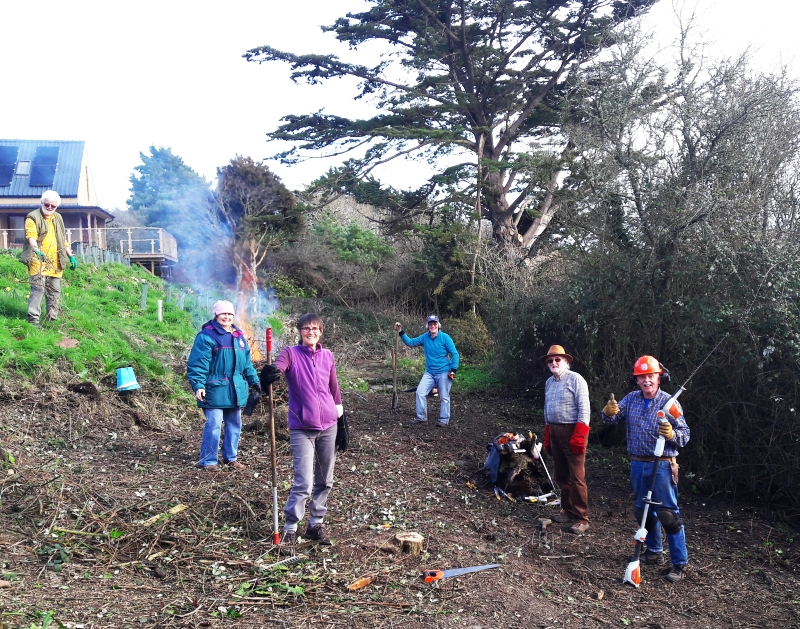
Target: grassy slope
x,y
101,309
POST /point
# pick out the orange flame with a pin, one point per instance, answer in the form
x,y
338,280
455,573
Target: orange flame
x,y
245,319
247,291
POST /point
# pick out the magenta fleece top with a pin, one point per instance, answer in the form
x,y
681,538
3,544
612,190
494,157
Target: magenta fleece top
x,y
313,387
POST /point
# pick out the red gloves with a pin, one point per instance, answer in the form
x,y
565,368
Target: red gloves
x,y
579,438
547,440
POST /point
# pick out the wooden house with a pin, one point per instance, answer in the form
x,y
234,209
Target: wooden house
x,y
30,167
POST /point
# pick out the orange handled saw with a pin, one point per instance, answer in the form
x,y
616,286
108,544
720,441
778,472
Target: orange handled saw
x,y
438,575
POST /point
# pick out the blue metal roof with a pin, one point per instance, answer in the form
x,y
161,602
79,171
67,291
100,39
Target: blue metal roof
x,y
68,168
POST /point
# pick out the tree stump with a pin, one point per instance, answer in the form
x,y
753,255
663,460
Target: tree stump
x,y
410,543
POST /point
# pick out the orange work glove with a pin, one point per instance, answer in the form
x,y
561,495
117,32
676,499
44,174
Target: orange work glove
x,y
579,438
665,430
611,408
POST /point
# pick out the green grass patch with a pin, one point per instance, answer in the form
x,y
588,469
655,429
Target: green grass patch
x,y
472,378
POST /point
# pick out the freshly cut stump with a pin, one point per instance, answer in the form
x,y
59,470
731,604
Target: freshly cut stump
x,y
410,543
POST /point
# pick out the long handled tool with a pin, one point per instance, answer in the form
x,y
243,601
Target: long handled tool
x,y
536,451
276,536
633,573
395,400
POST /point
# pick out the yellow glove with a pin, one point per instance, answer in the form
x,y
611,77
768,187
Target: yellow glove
x,y
665,430
611,408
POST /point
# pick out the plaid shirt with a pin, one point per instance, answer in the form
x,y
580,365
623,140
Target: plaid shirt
x,y
642,424
566,399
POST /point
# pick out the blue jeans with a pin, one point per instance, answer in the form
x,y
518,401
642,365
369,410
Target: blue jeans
x,y
443,382
665,492
233,428
313,457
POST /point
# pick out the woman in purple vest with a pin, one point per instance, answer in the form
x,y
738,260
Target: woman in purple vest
x,y
315,405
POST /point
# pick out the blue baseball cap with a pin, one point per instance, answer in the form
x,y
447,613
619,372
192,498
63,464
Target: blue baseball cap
x,y
433,319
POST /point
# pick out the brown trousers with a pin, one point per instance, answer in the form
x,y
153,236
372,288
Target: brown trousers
x,y
569,473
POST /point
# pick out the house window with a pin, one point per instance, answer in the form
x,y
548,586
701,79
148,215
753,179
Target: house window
x,y
16,224
24,168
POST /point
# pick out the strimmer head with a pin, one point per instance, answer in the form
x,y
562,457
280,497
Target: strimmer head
x,y
633,574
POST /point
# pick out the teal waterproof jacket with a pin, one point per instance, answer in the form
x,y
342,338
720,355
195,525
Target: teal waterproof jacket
x,y
441,354
220,363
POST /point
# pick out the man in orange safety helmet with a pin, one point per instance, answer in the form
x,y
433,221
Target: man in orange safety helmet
x,y
639,411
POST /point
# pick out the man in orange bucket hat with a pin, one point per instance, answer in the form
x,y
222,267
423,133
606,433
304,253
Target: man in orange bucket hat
x,y
566,416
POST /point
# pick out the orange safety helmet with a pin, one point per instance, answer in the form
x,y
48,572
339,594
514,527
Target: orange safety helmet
x,y
647,364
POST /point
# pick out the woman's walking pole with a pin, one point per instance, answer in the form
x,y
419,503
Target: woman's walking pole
x,y
276,536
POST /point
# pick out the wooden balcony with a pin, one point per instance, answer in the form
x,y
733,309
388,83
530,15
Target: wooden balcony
x,y
151,247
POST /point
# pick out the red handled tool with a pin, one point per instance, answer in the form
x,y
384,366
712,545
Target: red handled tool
x,y
276,536
438,575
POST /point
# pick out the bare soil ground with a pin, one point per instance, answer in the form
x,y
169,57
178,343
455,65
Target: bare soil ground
x,y
82,543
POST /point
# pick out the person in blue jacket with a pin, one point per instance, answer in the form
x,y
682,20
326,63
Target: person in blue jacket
x,y
441,364
220,370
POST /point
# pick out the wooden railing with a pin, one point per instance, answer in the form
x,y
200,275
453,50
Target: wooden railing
x,y
142,242
134,242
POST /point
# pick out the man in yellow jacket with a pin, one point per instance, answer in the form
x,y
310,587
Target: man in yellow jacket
x,y
47,254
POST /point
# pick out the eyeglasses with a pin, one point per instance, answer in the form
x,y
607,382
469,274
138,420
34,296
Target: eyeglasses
x,y
49,206
310,330
550,361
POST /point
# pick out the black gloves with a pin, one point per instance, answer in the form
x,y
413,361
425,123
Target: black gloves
x,y
252,401
342,434
269,374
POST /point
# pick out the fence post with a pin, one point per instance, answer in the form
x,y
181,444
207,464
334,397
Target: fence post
x,y
169,293
181,300
143,304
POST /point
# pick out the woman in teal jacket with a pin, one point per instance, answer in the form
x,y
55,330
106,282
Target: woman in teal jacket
x,y
219,371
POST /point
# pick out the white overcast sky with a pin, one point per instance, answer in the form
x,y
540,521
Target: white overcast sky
x,y
126,75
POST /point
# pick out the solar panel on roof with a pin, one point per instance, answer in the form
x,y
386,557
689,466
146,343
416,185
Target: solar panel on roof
x,y
8,159
43,169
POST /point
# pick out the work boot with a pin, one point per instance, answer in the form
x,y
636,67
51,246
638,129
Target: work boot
x,y
676,574
317,533
288,541
441,424
417,420
562,517
579,528
651,558
208,468
235,465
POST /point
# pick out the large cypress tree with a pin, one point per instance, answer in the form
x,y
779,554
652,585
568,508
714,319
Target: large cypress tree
x,y
473,78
